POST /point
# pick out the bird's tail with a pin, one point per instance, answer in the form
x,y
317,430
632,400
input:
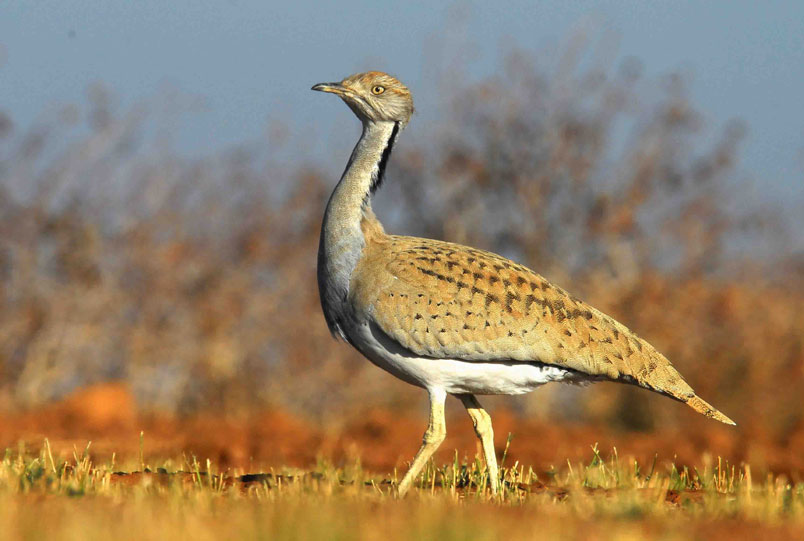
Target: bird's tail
x,y
705,408
666,380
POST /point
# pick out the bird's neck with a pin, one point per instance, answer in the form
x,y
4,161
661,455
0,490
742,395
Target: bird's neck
x,y
363,175
350,202
348,212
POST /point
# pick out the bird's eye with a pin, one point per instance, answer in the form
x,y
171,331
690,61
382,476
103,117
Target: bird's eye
x,y
377,90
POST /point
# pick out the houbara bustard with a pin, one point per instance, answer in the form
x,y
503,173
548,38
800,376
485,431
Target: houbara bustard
x,y
453,319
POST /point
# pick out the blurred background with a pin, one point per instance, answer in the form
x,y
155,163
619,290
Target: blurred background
x,y
164,169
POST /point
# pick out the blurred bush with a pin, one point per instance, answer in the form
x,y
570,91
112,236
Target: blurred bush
x,y
194,280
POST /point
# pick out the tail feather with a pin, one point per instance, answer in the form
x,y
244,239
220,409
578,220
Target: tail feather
x,y
666,380
703,407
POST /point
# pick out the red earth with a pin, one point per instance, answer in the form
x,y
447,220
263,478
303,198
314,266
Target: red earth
x,y
107,416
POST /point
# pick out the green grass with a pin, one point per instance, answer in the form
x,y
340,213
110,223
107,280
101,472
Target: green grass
x,y
189,498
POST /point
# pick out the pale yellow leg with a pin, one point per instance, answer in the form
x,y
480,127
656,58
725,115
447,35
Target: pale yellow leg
x,y
482,421
435,434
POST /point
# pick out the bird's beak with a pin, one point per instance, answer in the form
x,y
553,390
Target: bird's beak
x,y
334,88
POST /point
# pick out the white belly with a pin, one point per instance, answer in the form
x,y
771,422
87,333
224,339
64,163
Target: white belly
x,y
454,376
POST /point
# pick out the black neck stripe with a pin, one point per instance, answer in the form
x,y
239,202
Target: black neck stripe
x,y
386,154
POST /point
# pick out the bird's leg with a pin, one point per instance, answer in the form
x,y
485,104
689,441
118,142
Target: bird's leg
x,y
482,421
433,436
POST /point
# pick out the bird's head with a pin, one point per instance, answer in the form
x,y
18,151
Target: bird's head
x,y
374,96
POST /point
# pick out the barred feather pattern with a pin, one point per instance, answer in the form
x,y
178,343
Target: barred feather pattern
x,y
443,300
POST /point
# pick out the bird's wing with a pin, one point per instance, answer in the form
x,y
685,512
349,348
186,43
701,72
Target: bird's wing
x,y
443,300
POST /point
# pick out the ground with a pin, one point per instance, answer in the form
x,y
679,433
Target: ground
x,y
605,497
273,476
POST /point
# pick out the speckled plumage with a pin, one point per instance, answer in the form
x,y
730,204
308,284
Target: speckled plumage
x,y
443,300
453,319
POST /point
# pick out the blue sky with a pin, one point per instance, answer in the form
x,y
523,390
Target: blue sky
x,y
252,62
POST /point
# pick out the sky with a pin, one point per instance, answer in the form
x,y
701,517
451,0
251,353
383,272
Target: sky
x,y
250,63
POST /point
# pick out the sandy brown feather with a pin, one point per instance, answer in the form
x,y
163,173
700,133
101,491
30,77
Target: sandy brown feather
x,y
444,300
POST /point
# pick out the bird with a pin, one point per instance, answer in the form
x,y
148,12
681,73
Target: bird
x,y
452,319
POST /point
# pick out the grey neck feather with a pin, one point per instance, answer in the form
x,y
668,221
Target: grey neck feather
x,y
341,236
